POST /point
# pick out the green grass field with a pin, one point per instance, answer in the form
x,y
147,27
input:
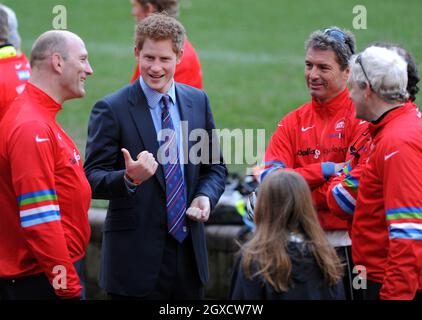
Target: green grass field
x,y
251,51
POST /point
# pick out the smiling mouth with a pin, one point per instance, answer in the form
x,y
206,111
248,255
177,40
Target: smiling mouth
x,y
316,85
156,76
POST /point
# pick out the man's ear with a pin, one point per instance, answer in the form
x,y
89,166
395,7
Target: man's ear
x,y
136,52
368,91
346,73
179,57
57,62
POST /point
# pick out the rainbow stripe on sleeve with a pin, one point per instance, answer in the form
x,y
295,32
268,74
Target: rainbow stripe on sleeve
x,y
405,223
38,207
271,166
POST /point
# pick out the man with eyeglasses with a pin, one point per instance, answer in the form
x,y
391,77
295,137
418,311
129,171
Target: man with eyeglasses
x,y
387,223
343,189
314,140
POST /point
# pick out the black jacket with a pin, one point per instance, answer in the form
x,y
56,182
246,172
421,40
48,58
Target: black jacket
x,y
307,280
136,224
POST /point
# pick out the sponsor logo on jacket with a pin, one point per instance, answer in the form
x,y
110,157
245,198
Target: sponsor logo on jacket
x,y
337,135
316,152
23,75
340,125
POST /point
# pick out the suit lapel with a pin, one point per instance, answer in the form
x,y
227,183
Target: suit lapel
x,y
184,104
142,117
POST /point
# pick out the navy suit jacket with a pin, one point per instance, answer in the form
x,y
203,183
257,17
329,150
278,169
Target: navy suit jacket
x,y
135,228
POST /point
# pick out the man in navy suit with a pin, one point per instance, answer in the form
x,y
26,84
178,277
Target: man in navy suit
x,y
138,156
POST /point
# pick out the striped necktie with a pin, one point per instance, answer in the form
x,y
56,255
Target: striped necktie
x,y
175,185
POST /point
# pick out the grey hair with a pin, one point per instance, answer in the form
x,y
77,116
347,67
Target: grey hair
x,y
343,50
13,37
386,71
4,26
412,68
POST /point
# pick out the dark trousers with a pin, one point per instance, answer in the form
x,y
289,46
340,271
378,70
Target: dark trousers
x,y
345,255
178,278
372,292
80,269
35,287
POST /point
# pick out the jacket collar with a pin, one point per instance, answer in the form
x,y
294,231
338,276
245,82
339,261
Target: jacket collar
x,y
333,104
7,51
376,126
42,99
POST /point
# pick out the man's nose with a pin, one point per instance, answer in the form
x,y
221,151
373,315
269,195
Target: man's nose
x,y
88,69
314,73
156,66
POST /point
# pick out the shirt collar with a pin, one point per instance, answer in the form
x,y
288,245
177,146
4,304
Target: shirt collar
x,y
154,97
383,115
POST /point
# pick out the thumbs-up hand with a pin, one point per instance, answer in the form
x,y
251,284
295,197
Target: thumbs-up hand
x,y
140,169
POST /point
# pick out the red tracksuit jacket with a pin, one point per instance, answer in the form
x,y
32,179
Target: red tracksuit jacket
x,y
310,140
44,195
339,194
387,224
14,73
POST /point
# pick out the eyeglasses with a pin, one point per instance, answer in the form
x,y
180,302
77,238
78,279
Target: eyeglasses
x,y
359,60
339,36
